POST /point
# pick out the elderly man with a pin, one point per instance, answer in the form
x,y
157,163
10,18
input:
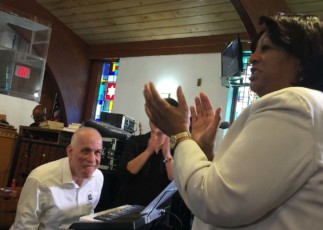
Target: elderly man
x,y
39,115
56,194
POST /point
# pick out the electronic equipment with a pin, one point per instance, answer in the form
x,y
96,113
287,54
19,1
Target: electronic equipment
x,y
123,217
119,120
107,129
231,59
111,154
231,63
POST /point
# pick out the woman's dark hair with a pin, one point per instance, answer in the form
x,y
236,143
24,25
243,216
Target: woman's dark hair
x,y
302,37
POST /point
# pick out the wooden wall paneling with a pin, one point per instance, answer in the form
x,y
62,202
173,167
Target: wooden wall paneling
x,y
92,89
250,10
208,44
49,91
67,58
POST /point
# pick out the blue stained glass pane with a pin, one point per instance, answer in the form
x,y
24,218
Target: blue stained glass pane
x,y
105,70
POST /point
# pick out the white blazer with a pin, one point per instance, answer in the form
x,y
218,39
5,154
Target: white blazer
x,y
267,173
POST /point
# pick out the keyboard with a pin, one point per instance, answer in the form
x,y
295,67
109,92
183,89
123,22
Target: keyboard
x,y
107,130
122,211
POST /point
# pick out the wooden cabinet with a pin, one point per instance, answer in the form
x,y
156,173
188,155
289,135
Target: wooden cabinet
x,y
37,146
8,206
8,137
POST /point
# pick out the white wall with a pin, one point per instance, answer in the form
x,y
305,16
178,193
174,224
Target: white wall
x,y
17,110
168,72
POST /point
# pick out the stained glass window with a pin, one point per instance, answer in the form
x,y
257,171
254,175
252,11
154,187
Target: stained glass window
x,y
108,85
244,96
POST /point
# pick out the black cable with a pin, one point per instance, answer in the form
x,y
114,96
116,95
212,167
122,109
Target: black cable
x,y
180,224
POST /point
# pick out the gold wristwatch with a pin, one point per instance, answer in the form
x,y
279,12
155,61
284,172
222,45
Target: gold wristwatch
x,y
175,139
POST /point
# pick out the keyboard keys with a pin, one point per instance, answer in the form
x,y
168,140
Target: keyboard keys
x,y
119,212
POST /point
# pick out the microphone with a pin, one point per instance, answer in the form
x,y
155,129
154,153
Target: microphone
x,y
224,125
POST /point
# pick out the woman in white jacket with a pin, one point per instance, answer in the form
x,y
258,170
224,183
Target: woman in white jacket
x,y
267,174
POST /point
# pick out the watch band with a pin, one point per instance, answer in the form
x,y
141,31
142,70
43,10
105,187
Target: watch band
x,y
175,139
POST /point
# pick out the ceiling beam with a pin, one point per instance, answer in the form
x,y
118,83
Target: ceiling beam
x,y
207,44
250,10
